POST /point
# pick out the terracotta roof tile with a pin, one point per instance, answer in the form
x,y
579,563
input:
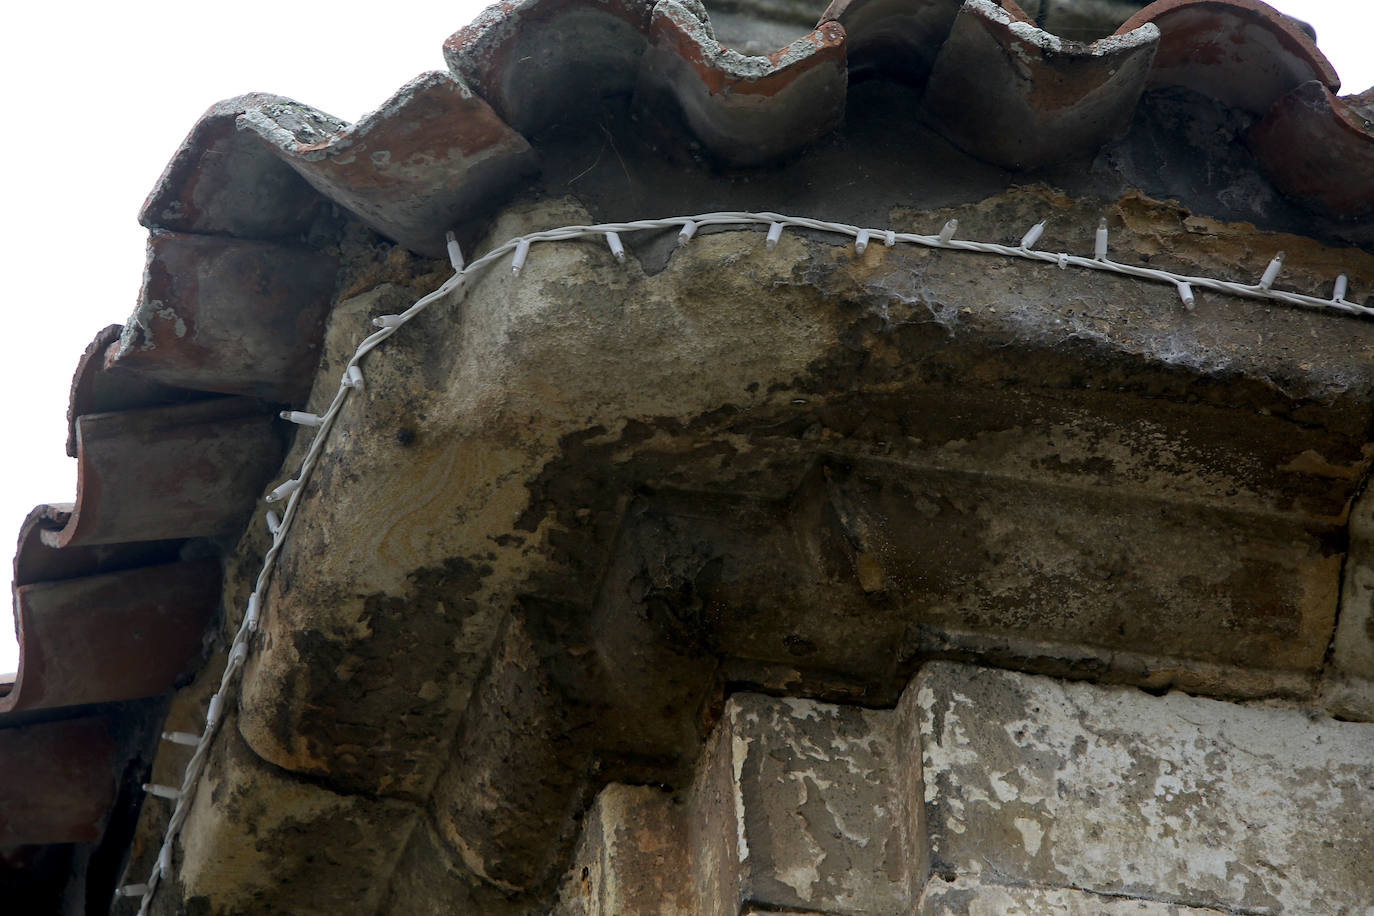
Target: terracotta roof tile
x,y
227,315
1319,149
431,154
118,636
1017,96
1240,52
191,470
746,110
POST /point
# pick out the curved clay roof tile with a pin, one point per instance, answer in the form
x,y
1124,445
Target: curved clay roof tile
x,y
425,160
1015,95
537,60
746,109
1319,149
222,182
1242,53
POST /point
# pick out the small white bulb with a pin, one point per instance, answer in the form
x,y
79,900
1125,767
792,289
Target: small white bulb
x,y
774,234
283,491
1338,293
455,254
353,378
889,238
1033,234
387,321
1271,273
133,890
861,241
213,713
1185,293
273,522
1100,243
617,247
301,418
166,792
948,231
517,261
685,234
250,616
164,859
186,739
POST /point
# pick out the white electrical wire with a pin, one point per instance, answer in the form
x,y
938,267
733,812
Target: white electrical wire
x,y
519,249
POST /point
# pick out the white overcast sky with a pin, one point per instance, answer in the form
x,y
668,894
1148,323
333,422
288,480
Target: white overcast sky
x,y
97,96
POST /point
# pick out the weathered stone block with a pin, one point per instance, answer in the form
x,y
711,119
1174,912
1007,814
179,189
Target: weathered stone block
x,y
795,806
428,881
965,896
1179,799
631,858
260,840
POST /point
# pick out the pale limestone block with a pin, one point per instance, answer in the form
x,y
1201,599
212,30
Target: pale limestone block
x,y
1030,780
795,806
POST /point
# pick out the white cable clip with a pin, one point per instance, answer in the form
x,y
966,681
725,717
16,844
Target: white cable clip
x,y
685,234
774,234
273,522
889,238
1100,243
948,231
1271,273
861,241
455,254
284,490
186,739
166,792
1338,293
353,378
1063,261
1033,234
133,890
301,418
250,616
517,261
1185,293
387,321
617,247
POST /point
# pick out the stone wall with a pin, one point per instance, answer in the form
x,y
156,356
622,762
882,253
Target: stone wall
x,y
994,792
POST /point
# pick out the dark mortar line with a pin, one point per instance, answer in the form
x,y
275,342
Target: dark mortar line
x,y
1010,881
1329,656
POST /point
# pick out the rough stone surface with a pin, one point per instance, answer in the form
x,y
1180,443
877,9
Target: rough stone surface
x,y
795,806
570,506
631,857
241,849
1176,798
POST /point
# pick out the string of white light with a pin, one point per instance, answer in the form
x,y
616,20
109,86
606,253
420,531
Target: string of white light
x,y
352,380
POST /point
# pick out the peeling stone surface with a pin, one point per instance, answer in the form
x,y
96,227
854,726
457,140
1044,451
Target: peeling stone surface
x,y
796,803
1177,799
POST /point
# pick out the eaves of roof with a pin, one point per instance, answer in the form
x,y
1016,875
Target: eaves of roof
x,y
172,416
